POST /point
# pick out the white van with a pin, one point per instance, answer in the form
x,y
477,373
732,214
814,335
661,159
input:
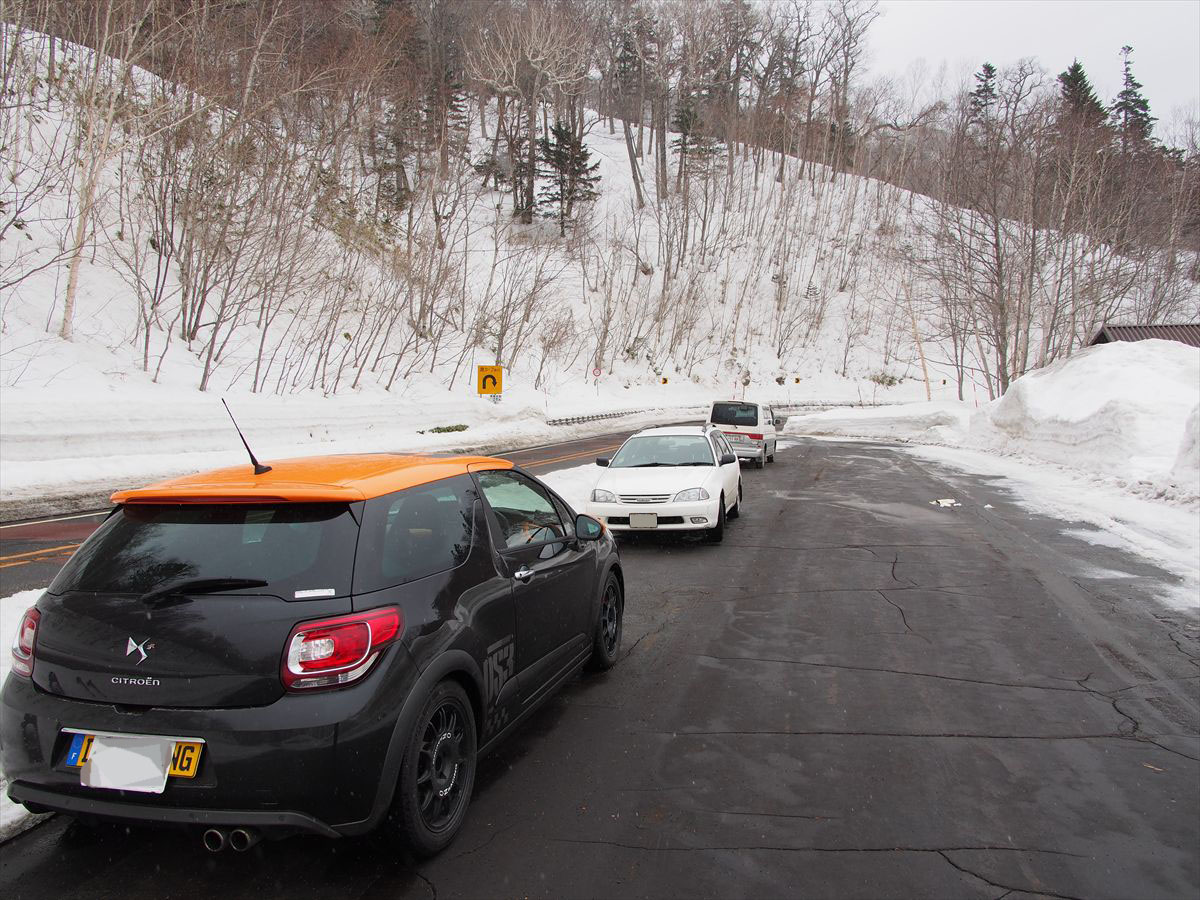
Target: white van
x,y
749,427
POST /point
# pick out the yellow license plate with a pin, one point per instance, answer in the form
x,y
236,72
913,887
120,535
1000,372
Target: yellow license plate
x,y
185,757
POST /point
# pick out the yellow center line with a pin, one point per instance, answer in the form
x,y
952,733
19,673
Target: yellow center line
x,y
593,452
38,552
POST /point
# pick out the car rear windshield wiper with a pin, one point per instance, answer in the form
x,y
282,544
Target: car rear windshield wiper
x,y
202,586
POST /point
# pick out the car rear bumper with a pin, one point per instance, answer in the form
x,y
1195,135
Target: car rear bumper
x,y
308,762
271,824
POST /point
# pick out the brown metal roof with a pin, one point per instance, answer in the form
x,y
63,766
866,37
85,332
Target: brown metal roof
x,y
1186,334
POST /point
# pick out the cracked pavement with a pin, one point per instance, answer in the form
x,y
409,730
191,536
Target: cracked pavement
x,y
855,695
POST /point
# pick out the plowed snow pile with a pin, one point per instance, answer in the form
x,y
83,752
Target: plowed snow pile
x,y
1129,411
936,422
1126,409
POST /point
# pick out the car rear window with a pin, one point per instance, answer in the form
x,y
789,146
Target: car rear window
x,y
301,550
414,533
734,414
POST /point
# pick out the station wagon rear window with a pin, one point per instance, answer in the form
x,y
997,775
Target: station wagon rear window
x,y
300,550
745,414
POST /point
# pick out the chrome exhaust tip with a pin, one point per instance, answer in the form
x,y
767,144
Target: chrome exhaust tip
x,y
215,840
242,839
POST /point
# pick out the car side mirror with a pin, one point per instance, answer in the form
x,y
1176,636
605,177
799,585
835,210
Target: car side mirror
x,y
603,460
587,528
728,458
779,423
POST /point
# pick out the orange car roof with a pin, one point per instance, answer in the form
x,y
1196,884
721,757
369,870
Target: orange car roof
x,y
312,479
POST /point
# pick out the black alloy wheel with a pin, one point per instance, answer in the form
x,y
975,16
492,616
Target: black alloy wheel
x,y
606,645
438,771
716,534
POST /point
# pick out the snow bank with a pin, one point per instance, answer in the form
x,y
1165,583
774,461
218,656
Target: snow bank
x,y
71,443
1127,411
937,422
1186,470
575,484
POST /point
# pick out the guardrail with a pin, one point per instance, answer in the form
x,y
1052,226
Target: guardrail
x,y
779,407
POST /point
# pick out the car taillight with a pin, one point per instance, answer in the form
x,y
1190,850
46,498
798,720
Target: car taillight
x,y
333,652
754,437
24,643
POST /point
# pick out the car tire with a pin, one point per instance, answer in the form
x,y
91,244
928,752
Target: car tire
x,y
761,459
737,507
606,641
716,534
433,770
771,458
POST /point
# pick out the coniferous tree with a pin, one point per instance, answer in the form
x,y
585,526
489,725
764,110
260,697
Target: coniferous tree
x,y
1080,104
1131,111
983,97
572,178
693,144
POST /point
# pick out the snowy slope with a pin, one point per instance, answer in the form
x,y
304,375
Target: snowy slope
x,y
794,294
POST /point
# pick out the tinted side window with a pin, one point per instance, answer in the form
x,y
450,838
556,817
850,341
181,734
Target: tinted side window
x,y
414,533
521,510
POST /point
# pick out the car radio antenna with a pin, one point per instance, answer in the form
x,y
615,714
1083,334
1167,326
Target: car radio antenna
x,y
259,468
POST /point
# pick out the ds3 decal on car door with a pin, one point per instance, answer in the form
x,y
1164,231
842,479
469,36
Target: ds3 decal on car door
x,y
497,670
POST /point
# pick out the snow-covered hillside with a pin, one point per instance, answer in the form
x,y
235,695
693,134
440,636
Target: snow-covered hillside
x,y
325,325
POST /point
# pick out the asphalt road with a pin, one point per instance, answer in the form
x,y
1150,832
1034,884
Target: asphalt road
x,y
857,694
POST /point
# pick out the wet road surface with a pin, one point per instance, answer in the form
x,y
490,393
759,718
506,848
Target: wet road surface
x,y
857,694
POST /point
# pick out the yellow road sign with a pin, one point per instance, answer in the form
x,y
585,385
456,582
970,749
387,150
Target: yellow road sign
x,y
491,379
664,381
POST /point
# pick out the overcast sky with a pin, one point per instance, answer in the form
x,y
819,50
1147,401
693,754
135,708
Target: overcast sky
x,y
1165,35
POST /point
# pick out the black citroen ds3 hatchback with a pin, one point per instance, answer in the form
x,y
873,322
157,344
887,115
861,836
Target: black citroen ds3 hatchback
x,y
327,647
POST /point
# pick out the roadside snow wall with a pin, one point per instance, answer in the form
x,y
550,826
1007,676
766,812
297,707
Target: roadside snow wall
x,y
1129,411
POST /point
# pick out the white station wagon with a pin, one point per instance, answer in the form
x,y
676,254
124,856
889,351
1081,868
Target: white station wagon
x,y
684,478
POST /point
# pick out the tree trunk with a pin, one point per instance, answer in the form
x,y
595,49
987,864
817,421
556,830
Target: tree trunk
x,y
531,164
633,166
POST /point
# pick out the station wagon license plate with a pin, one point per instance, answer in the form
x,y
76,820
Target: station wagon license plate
x,y
180,757
643,520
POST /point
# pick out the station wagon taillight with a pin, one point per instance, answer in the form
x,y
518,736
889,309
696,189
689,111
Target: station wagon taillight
x,y
334,652
24,643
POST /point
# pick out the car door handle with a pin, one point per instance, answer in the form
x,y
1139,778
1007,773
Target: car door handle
x,y
523,574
